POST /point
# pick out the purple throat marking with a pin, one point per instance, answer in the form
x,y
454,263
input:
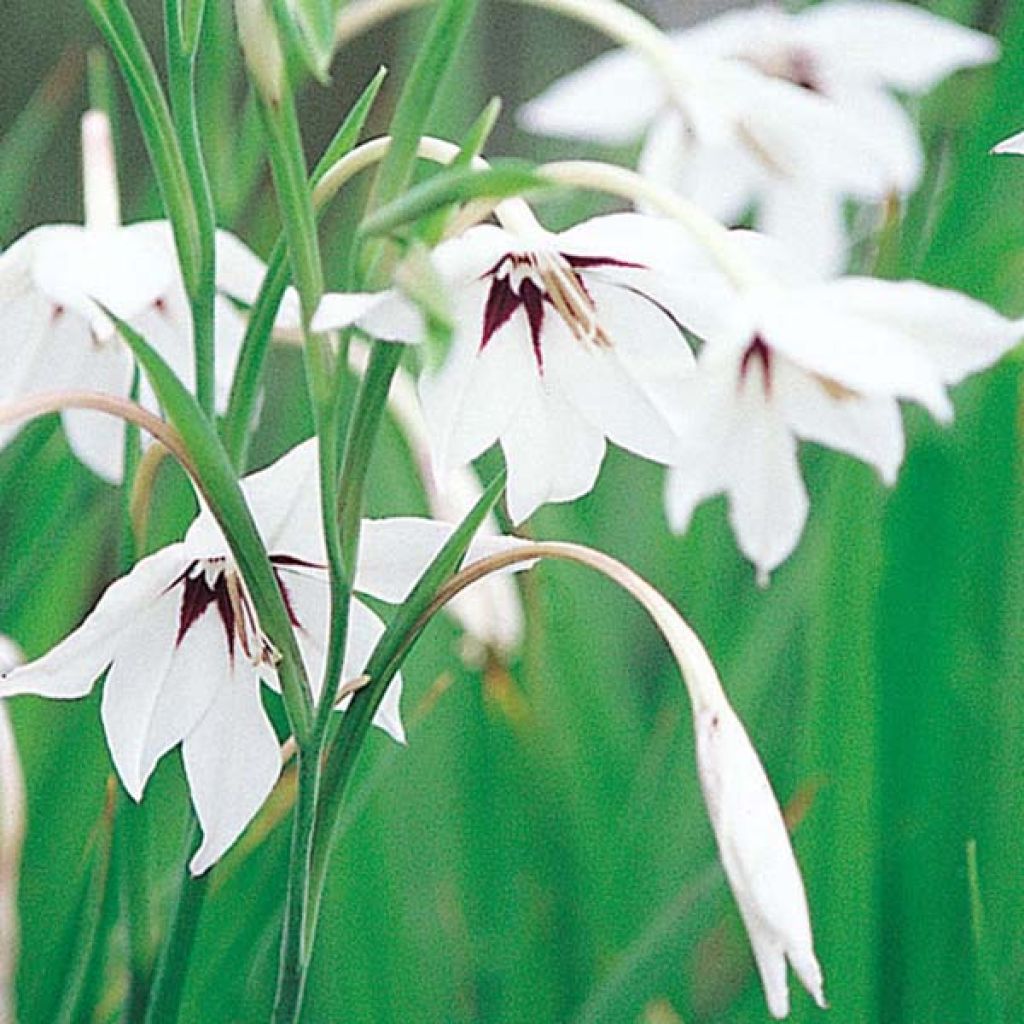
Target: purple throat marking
x,y
758,351
503,300
228,597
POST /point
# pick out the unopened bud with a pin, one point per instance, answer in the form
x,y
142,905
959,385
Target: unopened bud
x,y
757,855
261,46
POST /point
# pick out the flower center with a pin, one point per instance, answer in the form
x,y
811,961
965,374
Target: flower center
x,y
793,65
215,583
533,280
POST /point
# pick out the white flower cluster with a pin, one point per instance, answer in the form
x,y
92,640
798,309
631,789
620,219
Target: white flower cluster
x,y
716,361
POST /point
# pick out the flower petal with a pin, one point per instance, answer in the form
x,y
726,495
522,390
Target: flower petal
x,y
232,762
870,356
894,44
1014,144
610,100
97,438
472,398
870,429
808,218
552,453
959,334
70,669
158,689
394,553
365,630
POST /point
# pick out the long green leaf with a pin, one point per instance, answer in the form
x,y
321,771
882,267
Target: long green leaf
x,y
220,487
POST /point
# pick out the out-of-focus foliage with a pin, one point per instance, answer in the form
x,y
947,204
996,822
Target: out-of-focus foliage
x,y
539,852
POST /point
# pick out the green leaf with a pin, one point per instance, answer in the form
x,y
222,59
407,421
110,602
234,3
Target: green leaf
x,y
220,487
93,923
450,187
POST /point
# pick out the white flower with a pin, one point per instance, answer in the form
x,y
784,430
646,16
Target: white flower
x,y
560,342
810,123
54,336
757,855
822,361
186,654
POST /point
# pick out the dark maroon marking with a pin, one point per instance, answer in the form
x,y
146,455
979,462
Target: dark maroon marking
x,y
58,312
197,596
287,598
660,307
533,301
759,350
502,302
227,616
592,262
803,72
291,562
160,304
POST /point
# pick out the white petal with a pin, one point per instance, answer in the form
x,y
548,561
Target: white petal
x,y
338,310
284,499
70,669
97,438
552,453
610,100
894,136
232,761
808,218
671,270
394,553
467,257
768,502
894,44
872,357
959,334
621,390
240,271
1014,144
365,629
471,399
157,690
870,429
721,177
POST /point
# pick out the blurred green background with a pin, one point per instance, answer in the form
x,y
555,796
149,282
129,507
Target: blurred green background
x,y
540,852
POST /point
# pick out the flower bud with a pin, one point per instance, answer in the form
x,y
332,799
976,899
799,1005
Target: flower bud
x,y
757,855
261,46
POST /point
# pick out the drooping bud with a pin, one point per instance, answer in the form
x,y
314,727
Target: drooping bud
x,y
99,173
12,830
757,855
257,32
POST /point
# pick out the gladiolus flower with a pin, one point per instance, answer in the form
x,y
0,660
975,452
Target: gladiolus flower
x,y
822,361
54,335
561,341
186,653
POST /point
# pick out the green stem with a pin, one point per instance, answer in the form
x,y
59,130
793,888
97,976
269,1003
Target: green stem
x,y
181,64
172,967
296,939
238,421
